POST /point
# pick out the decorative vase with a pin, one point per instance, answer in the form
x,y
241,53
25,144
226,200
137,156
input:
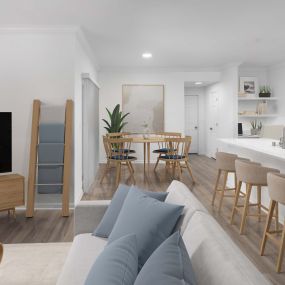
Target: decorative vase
x,y
254,132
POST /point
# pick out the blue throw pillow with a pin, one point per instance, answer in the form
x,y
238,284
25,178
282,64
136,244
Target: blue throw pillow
x,y
117,264
150,220
109,219
168,265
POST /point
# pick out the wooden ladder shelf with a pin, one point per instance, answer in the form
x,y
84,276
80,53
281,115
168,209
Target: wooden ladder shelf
x,y
34,157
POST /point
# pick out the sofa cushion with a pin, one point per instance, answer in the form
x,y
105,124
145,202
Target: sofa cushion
x,y
179,193
214,256
168,265
117,264
84,251
150,220
109,219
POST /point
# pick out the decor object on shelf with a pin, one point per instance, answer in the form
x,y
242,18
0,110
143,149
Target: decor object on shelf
x,y
248,85
255,127
265,91
116,123
50,153
148,103
11,192
262,108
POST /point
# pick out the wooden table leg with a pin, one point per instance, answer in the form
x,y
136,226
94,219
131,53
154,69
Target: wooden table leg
x,y
144,155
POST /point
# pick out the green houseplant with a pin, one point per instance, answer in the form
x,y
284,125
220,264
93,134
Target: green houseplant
x,y
255,127
265,91
116,123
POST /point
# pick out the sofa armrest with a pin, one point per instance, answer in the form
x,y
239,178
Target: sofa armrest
x,y
88,214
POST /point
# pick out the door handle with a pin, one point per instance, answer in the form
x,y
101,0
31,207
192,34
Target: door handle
x,y
196,128
211,129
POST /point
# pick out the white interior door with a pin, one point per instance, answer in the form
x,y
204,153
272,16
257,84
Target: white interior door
x,y
191,121
213,124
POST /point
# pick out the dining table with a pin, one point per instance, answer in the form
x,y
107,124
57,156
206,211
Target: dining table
x,y
146,140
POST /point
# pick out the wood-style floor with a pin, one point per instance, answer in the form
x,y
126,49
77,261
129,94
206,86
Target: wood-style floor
x,y
46,226
205,175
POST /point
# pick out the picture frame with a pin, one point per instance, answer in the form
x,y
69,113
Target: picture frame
x,y
248,86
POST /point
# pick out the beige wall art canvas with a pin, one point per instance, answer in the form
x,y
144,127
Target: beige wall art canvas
x,y
145,103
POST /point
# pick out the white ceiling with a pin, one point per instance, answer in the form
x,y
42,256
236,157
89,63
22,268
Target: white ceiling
x,y
179,33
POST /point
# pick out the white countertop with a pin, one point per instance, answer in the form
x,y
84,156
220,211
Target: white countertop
x,y
260,145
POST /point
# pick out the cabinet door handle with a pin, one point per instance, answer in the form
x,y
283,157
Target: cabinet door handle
x,y
211,129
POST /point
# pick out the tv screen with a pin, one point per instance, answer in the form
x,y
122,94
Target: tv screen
x,y
5,142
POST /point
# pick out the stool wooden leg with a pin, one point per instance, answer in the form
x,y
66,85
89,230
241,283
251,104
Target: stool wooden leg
x,y
216,187
259,202
239,183
267,226
281,251
223,191
277,217
245,209
131,171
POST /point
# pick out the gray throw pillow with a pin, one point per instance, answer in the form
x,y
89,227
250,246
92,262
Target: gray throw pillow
x,y
117,264
168,265
109,219
150,220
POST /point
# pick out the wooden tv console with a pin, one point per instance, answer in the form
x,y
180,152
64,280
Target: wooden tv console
x,y
11,192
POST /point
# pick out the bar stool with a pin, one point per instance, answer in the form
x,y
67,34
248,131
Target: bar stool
x,y
225,163
252,174
276,187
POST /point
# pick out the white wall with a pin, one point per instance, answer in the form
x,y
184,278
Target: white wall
x,y
111,94
227,90
84,62
43,64
200,92
276,76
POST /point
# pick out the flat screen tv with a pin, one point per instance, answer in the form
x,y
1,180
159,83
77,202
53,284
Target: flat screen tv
x,y
5,142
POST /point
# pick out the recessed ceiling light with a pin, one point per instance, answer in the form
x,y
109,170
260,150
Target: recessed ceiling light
x,y
147,55
198,83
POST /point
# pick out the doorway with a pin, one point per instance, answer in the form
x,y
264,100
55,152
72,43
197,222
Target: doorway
x,y
213,124
192,120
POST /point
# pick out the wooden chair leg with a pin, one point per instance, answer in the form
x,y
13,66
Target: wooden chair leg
x,y
281,251
105,172
157,161
223,191
267,226
131,172
173,170
259,202
179,170
132,167
245,209
239,183
118,174
190,171
216,187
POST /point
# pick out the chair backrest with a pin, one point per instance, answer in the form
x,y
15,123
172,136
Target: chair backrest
x,y
179,146
166,135
252,172
226,161
276,187
106,146
117,135
119,147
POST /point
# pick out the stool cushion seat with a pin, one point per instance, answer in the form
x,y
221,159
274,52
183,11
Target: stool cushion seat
x,y
175,156
163,150
123,157
125,150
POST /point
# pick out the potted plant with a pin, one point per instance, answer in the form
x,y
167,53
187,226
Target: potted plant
x,y
116,123
255,127
265,91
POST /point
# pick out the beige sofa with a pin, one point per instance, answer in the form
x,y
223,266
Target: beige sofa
x,y
215,258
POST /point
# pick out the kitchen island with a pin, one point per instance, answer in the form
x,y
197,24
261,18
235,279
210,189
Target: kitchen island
x,y
258,150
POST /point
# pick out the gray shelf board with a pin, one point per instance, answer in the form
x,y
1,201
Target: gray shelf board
x,y
50,184
50,164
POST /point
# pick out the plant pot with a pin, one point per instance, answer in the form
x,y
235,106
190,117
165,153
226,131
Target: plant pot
x,y
254,132
264,95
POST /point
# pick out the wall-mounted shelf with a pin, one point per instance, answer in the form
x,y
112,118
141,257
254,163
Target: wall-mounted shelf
x,y
257,99
259,116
